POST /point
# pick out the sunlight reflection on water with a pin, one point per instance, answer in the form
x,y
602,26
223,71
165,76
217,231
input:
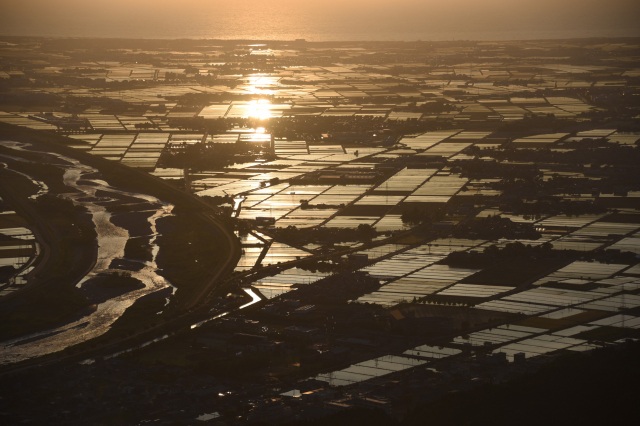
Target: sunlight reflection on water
x,y
111,244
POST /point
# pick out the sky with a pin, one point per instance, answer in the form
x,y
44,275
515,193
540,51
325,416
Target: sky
x,y
313,19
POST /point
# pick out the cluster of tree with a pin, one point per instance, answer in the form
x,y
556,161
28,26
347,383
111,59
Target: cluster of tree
x,y
30,100
611,154
217,200
435,106
482,169
144,126
524,182
337,288
304,205
77,105
189,249
6,273
495,227
423,214
174,76
493,255
201,156
554,206
517,251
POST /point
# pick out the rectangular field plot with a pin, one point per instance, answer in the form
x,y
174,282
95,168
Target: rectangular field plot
x,y
446,149
426,140
287,148
624,138
514,307
115,141
104,122
214,111
401,264
420,283
445,246
631,243
620,320
383,250
607,229
552,297
153,139
371,369
351,221
18,120
498,335
248,258
406,180
280,253
440,186
584,270
432,352
234,188
379,200
332,200
282,283
474,290
390,222
305,218
568,222
144,160
613,303
540,345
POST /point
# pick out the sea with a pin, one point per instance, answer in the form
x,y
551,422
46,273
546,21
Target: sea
x,y
321,20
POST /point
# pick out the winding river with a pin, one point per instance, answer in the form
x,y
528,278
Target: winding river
x,y
94,194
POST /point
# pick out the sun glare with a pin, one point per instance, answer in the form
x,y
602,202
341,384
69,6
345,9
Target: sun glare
x,y
260,109
261,84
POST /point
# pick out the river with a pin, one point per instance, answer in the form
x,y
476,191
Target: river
x,y
111,244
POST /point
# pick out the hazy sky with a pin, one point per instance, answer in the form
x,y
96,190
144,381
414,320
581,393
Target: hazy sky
x,y
313,18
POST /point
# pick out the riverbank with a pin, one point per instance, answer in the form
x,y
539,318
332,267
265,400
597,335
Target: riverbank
x,y
194,279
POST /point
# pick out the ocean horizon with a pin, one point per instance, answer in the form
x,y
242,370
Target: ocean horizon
x,y
317,21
